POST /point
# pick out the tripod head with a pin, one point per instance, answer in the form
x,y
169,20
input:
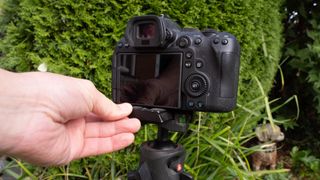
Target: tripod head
x,y
162,159
171,120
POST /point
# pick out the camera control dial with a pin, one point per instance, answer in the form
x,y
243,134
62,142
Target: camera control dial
x,y
196,85
209,32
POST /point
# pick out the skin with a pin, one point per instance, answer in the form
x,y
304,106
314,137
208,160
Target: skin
x,y
48,119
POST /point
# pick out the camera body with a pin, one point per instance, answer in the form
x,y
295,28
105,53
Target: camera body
x,y
160,65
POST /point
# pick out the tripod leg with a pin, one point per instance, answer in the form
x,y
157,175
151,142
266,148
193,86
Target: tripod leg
x,y
160,160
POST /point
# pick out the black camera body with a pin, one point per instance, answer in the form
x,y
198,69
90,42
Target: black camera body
x,y
160,65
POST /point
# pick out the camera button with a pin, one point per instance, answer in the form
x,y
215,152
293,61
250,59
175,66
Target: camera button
x,y
224,42
191,104
120,44
189,55
195,85
188,64
199,64
200,104
198,41
216,40
183,42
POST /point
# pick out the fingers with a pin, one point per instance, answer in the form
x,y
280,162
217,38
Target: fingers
x,y
96,146
107,110
107,129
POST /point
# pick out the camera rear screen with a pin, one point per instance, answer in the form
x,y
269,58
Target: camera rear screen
x,y
151,80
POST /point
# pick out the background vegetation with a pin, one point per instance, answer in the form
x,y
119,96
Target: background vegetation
x,y
76,38
301,70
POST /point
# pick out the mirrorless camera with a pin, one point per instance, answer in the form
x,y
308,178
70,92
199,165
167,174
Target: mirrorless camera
x,y
160,65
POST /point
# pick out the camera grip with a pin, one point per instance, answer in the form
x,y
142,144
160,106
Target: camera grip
x,y
229,74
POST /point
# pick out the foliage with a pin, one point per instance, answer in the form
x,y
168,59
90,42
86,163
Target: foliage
x,y
305,164
77,37
303,46
300,69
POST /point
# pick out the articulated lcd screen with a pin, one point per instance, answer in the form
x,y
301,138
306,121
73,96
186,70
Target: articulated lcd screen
x,y
151,80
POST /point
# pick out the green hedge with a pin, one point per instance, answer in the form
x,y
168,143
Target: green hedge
x,y
77,38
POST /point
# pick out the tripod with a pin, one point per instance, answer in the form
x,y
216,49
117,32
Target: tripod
x,y
162,159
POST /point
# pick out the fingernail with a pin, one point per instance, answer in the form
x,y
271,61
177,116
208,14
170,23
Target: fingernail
x,y
137,124
125,107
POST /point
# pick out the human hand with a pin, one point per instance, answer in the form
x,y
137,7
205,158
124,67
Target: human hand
x,y
48,119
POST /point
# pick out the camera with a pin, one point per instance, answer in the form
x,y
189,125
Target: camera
x,y
158,64
167,73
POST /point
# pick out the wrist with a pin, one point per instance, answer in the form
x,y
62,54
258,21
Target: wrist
x,y
11,109
5,78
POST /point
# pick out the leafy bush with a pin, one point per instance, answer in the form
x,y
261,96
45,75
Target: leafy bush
x,y
303,47
304,164
301,68
77,37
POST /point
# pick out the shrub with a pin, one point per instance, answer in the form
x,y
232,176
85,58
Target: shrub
x,y
77,37
301,70
305,165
